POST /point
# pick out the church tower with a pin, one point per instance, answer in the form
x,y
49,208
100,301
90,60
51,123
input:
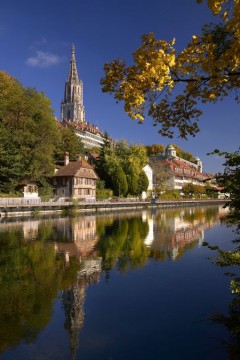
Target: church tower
x,y
199,164
170,152
72,108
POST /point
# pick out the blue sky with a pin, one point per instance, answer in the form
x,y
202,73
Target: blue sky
x,y
35,46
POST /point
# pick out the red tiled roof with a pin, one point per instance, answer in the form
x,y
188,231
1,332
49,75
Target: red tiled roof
x,y
78,169
82,126
179,167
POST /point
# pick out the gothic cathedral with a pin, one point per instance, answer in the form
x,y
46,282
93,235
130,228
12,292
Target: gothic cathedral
x,y
72,108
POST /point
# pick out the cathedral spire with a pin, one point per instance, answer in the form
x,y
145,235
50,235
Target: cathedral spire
x,y
72,108
73,74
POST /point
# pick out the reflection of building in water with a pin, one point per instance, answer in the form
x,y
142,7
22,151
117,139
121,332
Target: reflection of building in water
x,y
73,300
71,237
171,232
30,229
184,237
76,237
146,217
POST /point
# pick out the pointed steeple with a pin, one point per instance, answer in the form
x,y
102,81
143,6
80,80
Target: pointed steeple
x,y
72,108
73,74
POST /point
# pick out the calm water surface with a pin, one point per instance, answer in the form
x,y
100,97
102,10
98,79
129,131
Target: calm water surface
x,y
135,285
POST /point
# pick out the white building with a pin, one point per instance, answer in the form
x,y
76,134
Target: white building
x,y
149,173
180,171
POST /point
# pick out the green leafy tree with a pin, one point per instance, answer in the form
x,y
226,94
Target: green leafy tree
x,y
132,157
161,176
69,142
188,190
28,131
210,191
183,154
132,179
120,184
230,180
154,149
199,191
142,182
193,190
101,192
104,165
125,160
170,194
188,156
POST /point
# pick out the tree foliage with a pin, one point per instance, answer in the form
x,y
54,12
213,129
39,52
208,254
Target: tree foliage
x,y
123,244
161,176
142,182
168,86
155,149
190,190
69,142
120,166
31,277
28,134
183,154
105,164
230,181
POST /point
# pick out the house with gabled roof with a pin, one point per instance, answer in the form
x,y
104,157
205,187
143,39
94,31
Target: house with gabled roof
x,y
76,179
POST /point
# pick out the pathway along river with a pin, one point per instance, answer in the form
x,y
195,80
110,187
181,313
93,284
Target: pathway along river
x,y
135,285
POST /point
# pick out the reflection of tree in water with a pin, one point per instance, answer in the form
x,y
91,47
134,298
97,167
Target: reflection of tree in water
x,y
122,244
31,276
205,215
124,241
33,269
230,321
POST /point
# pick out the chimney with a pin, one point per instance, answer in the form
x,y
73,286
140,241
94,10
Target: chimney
x,y
66,158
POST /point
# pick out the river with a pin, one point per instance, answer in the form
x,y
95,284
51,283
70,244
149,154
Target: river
x,y
125,285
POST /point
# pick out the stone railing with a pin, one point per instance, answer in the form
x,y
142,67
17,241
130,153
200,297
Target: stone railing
x,y
19,201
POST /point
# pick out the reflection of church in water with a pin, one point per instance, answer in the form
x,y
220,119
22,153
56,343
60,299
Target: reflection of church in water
x,y
173,233
78,239
71,237
170,232
74,298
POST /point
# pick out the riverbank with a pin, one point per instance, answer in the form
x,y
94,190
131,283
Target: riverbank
x,y
25,209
